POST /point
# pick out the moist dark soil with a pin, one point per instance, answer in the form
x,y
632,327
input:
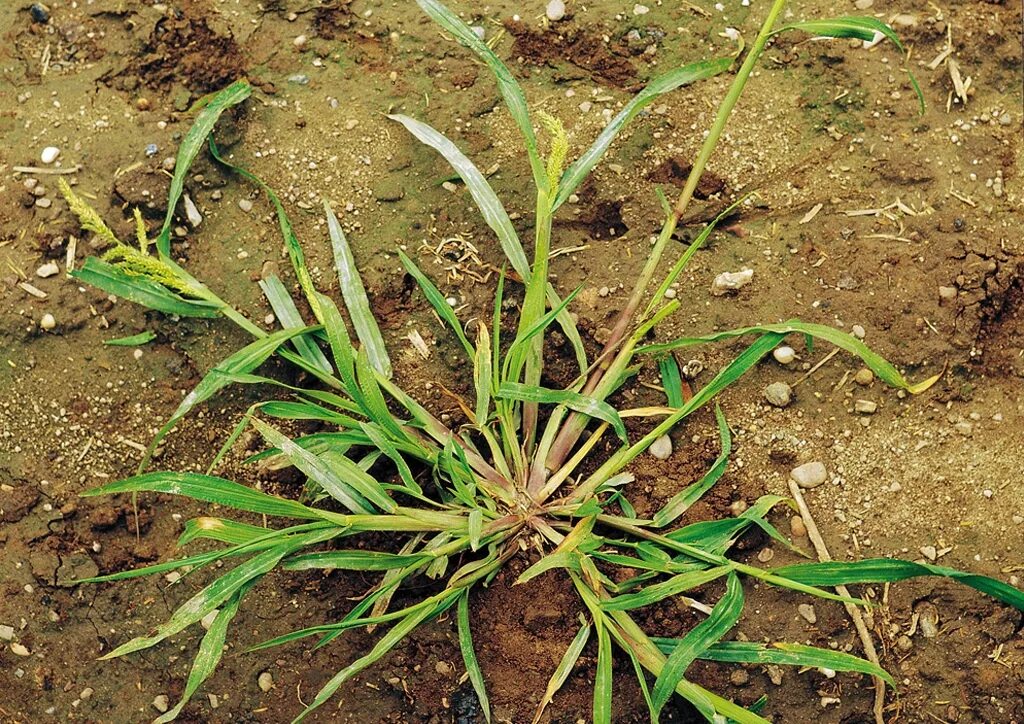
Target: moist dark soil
x,y
866,213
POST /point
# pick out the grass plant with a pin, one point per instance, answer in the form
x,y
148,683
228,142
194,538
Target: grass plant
x,y
463,500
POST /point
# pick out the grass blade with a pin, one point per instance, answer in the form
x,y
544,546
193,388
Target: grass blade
x,y
211,648
342,479
660,591
589,406
863,28
723,617
486,200
437,301
581,168
140,290
882,570
671,380
482,375
507,85
603,676
469,655
354,560
397,632
133,340
565,666
681,501
221,530
288,315
211,490
194,140
882,368
354,294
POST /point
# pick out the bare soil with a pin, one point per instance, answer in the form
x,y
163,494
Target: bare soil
x,y
827,126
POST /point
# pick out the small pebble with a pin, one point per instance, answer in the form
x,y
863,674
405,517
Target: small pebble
x,y
865,407
142,104
6,633
670,293
807,613
265,681
784,355
797,527
661,448
640,9
731,281
207,620
929,552
192,212
137,354
603,292
43,203
863,4
739,677
300,41
555,10
48,269
858,331
904,644
864,377
778,394
161,703
20,650
245,205
47,322
49,154
765,555
214,700
947,293
87,692
809,475
151,150
39,13
168,163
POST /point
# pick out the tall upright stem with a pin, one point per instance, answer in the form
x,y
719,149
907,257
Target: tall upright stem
x,y
576,423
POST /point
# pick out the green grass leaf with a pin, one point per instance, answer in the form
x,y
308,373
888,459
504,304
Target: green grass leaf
x,y
486,200
882,368
786,654
603,677
340,478
133,340
476,676
723,617
863,28
437,301
211,648
290,318
671,380
665,589
564,668
194,140
681,501
354,560
665,83
589,406
98,273
883,570
354,294
510,91
211,490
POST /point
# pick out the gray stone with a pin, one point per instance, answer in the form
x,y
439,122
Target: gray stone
x,y
809,475
661,448
778,394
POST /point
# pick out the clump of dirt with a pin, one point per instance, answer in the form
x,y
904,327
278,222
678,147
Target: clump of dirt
x,y
581,47
184,50
676,170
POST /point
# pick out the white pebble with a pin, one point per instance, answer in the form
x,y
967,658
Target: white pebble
x,y
299,41
137,354
730,281
670,293
265,681
640,9
161,703
245,205
858,331
807,613
809,475
49,154
48,269
661,448
555,10
20,650
866,407
191,212
47,322
784,355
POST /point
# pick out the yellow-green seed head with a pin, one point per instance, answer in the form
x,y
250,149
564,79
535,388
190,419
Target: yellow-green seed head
x,y
135,263
87,216
559,147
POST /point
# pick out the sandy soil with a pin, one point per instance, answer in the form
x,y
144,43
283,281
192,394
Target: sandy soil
x,y
932,276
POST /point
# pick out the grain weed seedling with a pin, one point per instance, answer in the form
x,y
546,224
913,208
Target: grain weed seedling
x,y
463,500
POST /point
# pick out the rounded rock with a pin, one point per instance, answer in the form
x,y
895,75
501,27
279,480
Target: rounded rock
x,y
784,355
778,394
864,377
300,41
555,10
47,322
49,154
809,475
245,205
265,681
161,703
48,269
661,448
797,526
